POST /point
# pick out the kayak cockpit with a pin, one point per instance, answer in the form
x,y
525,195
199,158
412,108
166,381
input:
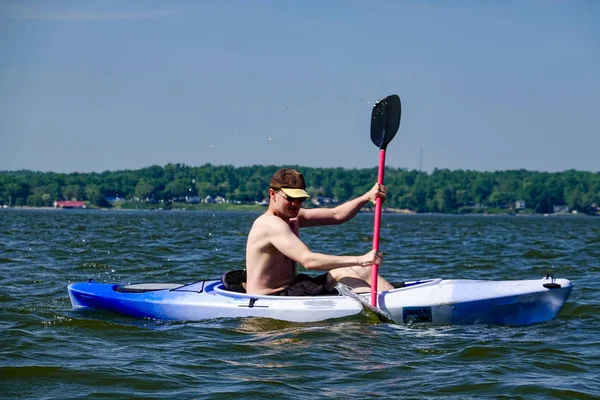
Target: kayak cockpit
x,y
146,287
197,287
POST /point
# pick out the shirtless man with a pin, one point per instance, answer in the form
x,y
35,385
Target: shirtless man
x,y
274,248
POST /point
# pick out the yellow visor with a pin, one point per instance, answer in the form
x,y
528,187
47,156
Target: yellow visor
x,y
297,193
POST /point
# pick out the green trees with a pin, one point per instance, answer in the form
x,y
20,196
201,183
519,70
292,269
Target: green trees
x,y
179,188
144,190
70,192
441,191
43,196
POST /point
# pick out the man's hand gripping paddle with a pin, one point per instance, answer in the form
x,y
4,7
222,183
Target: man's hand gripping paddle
x,y
385,121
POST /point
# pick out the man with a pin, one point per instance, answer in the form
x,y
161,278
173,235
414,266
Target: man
x,y
274,248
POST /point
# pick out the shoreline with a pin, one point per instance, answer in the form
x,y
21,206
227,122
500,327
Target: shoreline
x,y
255,208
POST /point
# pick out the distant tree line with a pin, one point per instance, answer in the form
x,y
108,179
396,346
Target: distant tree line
x,y
442,190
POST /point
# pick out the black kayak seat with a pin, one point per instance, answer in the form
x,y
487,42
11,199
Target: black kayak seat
x,y
234,280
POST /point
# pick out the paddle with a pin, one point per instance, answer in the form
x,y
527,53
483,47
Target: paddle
x,y
385,121
368,308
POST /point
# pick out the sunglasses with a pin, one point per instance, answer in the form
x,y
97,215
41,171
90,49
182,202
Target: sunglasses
x,y
290,198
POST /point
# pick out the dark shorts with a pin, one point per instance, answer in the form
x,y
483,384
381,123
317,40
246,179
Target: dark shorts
x,y
306,285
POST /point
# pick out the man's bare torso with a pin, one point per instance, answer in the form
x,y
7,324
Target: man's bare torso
x,y
267,269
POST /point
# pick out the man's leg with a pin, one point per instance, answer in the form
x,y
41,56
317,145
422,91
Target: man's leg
x,y
358,278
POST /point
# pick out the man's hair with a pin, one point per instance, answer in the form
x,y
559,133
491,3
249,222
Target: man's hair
x,y
287,178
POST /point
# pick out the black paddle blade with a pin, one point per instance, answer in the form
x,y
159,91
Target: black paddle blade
x,y
385,120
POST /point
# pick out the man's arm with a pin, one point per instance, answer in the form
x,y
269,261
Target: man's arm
x,y
341,213
281,236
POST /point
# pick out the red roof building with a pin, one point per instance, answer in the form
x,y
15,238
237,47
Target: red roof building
x,y
69,204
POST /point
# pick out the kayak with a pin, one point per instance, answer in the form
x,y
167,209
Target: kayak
x,y
430,301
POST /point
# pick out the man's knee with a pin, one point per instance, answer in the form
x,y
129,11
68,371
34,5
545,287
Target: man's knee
x,y
363,273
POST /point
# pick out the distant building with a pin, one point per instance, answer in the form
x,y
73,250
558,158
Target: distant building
x,y
520,205
69,204
319,201
217,199
560,209
111,199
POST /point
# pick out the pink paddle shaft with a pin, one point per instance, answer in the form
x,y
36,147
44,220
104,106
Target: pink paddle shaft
x,y
375,269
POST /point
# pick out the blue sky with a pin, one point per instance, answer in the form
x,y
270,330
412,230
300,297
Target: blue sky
x,y
485,85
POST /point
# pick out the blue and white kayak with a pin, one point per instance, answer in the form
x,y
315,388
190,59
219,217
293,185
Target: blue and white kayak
x,y
432,301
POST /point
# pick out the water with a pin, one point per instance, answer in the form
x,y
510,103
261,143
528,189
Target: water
x,y
49,351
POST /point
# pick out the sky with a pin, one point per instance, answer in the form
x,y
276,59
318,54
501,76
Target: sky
x,y
90,86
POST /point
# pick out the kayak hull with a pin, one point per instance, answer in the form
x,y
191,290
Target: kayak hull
x,y
434,302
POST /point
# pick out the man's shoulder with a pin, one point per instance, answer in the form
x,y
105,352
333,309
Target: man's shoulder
x,y
267,220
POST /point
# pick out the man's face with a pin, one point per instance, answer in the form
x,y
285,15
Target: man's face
x,y
290,206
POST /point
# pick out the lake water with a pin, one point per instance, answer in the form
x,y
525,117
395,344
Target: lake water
x,y
49,351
